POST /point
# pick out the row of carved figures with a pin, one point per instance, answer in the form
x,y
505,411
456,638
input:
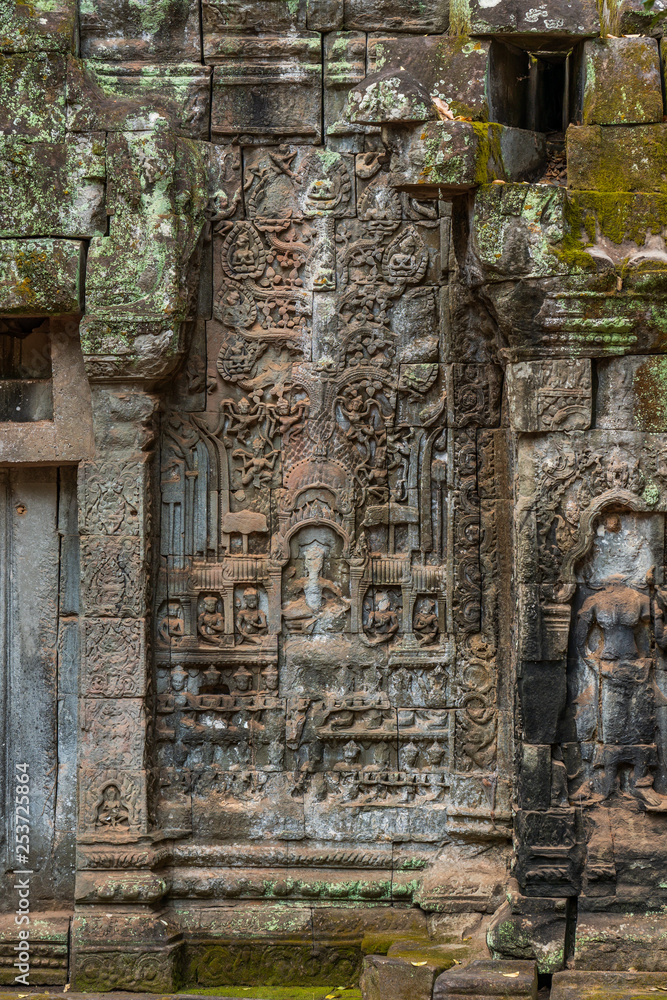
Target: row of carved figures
x,y
381,618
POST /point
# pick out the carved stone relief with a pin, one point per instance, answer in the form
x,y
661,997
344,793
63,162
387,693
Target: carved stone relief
x,y
317,635
356,319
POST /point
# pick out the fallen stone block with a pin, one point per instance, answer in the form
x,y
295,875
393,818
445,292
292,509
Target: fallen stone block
x,y
573,985
488,978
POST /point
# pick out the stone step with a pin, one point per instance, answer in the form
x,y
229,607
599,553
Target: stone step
x,y
409,969
572,985
488,979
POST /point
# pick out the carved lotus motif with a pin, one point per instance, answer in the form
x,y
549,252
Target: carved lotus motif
x,y
243,253
406,258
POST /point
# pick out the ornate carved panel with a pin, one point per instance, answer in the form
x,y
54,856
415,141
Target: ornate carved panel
x,y
322,672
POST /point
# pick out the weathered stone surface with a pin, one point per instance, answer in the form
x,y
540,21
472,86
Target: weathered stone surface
x,y
401,976
616,159
450,68
371,15
547,396
489,979
44,26
40,277
532,929
334,491
389,97
630,394
462,155
130,96
579,985
137,325
32,96
75,173
266,88
606,941
344,66
622,82
48,942
511,17
120,30
632,16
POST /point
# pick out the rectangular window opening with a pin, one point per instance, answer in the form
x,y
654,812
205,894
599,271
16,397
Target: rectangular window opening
x,y
26,387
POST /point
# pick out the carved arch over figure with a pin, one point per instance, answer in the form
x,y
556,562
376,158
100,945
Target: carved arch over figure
x,y
586,531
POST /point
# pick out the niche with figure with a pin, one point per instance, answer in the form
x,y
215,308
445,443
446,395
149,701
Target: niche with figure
x,y
316,585
616,666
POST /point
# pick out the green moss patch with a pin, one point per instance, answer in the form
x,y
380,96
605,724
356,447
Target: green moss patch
x,y
280,993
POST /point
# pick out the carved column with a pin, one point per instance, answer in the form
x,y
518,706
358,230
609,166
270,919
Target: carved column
x,y
130,338
134,949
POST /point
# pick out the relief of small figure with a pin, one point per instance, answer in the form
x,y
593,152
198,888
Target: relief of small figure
x,y
426,626
382,620
270,679
613,640
251,621
111,813
211,622
257,467
171,626
348,771
243,680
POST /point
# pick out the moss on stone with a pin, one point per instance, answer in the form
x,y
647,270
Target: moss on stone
x,y
650,397
571,250
460,18
280,992
620,216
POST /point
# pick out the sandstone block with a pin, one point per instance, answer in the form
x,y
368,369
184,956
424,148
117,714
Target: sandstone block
x,y
584,985
324,15
266,87
630,393
344,68
429,17
44,26
400,978
392,96
121,30
451,69
32,96
606,942
512,17
488,979
613,158
222,17
463,155
129,96
530,928
40,277
554,395
633,17
622,82
74,172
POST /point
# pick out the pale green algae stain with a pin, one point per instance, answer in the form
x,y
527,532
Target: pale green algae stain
x,y
153,14
508,939
649,383
443,168
329,157
460,19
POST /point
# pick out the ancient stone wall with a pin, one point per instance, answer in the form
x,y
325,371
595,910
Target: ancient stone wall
x,y
332,427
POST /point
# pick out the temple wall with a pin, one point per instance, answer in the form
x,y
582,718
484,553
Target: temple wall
x,y
332,445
